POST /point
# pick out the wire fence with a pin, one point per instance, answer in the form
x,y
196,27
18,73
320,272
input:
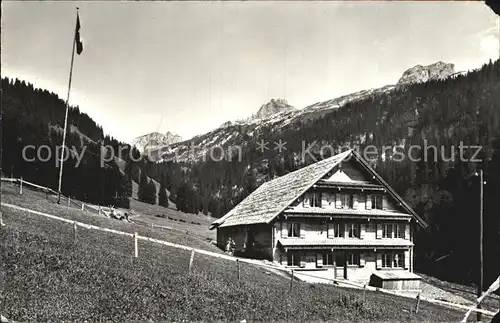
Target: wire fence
x,y
51,194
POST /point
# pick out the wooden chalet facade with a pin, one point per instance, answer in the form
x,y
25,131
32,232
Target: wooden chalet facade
x,y
337,216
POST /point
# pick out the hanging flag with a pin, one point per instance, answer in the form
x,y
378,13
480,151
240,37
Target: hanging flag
x,y
79,42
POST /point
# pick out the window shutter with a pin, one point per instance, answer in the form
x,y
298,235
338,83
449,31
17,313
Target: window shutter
x,y
302,230
384,202
378,260
346,230
319,260
379,231
338,202
355,201
407,232
407,259
331,232
284,229
361,260
368,201
362,231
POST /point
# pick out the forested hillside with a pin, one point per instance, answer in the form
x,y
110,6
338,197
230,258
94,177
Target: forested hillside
x,y
462,109
35,117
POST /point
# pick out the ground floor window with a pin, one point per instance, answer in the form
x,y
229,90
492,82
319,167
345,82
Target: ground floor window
x,y
328,259
352,258
294,258
392,260
398,260
386,260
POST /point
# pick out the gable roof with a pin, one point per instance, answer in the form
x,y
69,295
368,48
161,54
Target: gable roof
x,y
273,197
389,189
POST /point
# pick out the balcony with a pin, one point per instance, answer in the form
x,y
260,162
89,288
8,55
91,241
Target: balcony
x,y
345,243
327,212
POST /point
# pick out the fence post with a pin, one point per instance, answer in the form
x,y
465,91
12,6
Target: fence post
x,y
21,186
83,206
69,201
136,249
364,293
1,219
191,260
238,268
418,302
74,231
99,210
291,281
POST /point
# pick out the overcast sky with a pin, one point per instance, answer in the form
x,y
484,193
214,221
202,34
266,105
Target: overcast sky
x,y
187,67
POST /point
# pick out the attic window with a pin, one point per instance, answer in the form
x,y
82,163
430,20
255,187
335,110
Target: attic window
x,y
312,199
377,202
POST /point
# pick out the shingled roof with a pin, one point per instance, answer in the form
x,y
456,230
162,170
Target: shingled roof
x,y
273,197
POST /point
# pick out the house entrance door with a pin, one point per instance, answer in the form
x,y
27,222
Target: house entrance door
x,y
340,266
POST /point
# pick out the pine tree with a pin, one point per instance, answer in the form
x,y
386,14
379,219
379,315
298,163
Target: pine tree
x,y
180,197
142,193
150,193
162,195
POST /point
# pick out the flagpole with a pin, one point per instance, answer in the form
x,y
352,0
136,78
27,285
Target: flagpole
x,y
61,160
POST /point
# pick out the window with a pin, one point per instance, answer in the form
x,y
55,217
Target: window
x,y
328,259
399,231
338,230
329,199
377,202
352,259
393,260
386,260
346,200
387,231
316,200
293,258
398,260
294,230
353,230
312,199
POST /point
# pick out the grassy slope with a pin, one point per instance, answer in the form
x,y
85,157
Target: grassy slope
x,y
37,201
48,276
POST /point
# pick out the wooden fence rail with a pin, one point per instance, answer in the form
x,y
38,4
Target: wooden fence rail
x,y
235,259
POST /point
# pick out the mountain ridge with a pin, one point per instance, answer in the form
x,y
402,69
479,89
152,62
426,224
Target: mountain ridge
x,y
277,114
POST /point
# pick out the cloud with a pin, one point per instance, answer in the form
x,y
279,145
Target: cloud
x,y
489,40
490,44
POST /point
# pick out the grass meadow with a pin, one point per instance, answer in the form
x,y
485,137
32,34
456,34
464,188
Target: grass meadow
x,y
48,275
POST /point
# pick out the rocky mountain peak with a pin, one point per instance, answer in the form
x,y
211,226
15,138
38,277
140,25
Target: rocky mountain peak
x,y
272,107
156,140
421,74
